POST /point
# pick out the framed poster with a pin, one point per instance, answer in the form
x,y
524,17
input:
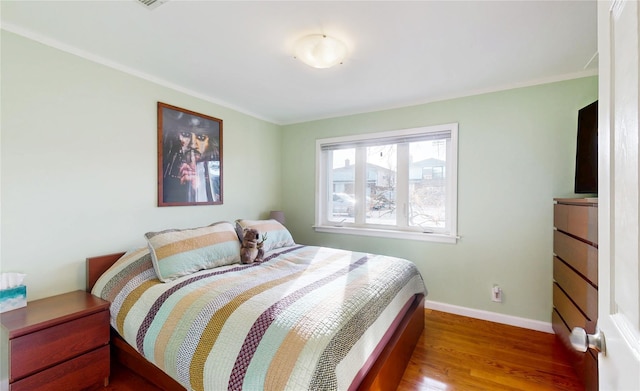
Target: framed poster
x,y
189,157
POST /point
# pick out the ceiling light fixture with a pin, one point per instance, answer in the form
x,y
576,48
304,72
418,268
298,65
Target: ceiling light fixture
x,y
320,51
151,4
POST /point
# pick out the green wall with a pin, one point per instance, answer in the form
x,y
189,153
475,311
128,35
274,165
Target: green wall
x,y
516,153
78,170
79,164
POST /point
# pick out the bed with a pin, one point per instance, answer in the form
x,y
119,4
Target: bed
x,y
303,317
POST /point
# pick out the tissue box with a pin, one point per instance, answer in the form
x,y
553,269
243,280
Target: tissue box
x,y
13,298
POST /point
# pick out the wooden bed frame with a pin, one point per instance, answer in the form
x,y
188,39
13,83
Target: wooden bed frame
x,y
385,374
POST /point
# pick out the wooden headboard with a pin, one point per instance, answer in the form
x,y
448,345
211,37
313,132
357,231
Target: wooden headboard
x,y
96,266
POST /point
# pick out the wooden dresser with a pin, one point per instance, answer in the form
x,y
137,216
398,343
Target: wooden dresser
x,y
58,343
575,275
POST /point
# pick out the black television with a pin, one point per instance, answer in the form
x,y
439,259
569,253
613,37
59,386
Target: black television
x,y
586,178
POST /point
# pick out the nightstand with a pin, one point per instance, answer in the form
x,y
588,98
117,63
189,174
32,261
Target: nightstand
x,y
58,343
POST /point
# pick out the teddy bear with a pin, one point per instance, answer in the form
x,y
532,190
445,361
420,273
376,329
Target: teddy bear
x,y
251,250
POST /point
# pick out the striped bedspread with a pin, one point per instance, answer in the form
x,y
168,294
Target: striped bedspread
x,y
304,318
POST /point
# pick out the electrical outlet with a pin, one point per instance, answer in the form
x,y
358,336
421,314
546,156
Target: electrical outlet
x,y
496,294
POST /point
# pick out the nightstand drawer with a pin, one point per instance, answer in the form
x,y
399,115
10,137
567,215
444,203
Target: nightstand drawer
x,y
44,348
76,374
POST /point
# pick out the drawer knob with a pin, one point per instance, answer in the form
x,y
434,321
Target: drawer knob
x,y
581,341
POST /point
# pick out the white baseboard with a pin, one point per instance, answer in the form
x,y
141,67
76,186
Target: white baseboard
x,y
490,316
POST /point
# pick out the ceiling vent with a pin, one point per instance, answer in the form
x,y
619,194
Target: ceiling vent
x,y
151,4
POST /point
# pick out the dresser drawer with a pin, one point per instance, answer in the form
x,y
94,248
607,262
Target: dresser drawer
x,y
578,220
569,312
76,374
583,294
44,348
585,364
575,274
579,255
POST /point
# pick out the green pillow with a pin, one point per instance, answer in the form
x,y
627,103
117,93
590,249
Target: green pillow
x,y
180,252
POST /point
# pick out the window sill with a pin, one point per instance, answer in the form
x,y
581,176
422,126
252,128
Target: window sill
x,y
392,234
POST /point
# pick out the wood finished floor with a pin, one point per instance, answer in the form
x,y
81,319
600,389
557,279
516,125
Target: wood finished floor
x,y
460,353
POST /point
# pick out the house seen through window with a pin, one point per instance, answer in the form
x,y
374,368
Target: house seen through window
x,y
398,184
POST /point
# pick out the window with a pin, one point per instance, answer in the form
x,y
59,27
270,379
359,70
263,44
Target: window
x,y
400,184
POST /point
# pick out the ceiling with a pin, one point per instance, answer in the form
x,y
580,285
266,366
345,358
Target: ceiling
x,y
239,53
